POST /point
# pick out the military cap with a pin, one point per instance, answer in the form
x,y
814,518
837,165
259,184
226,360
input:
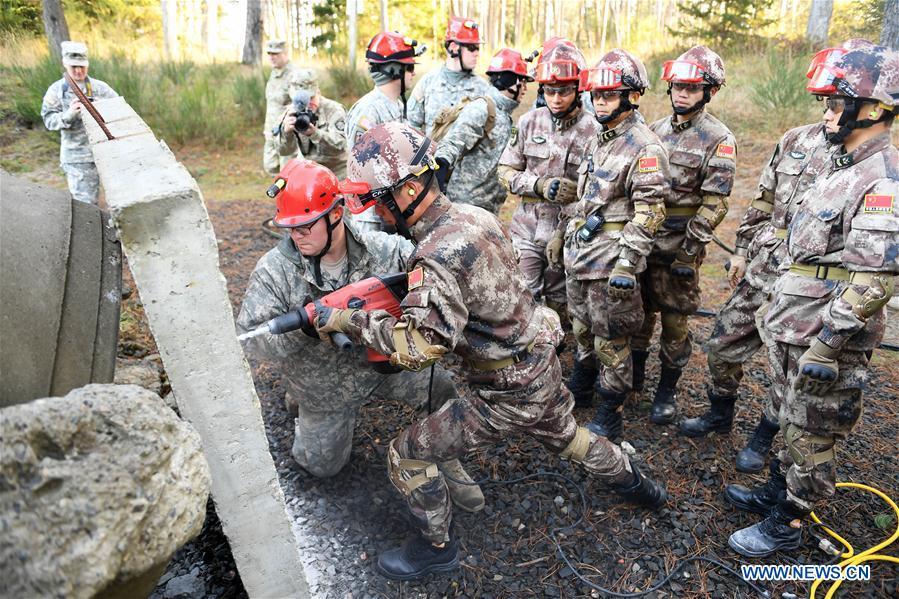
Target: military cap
x,y
275,46
74,54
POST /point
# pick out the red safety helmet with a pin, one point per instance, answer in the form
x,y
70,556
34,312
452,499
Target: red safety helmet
x,y
508,60
306,191
462,31
390,46
562,63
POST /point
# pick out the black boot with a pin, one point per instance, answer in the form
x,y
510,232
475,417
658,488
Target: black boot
x,y
762,499
583,378
774,533
638,358
718,419
418,558
752,457
643,491
664,405
607,420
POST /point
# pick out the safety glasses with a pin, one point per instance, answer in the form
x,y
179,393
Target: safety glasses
x,y
608,94
557,70
690,88
564,90
683,71
835,104
599,79
471,47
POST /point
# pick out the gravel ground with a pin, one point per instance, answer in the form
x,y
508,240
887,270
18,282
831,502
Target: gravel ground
x,y
506,550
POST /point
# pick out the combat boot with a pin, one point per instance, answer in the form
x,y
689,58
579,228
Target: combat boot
x,y
752,457
464,492
642,490
664,404
761,499
581,382
719,418
638,358
418,558
607,421
779,531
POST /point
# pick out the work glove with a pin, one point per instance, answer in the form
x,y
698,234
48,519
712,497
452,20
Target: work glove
x,y
557,190
554,248
684,265
737,270
331,320
442,173
622,282
818,368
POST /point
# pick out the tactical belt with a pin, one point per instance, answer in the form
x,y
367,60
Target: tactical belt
x,y
488,365
829,273
605,226
762,206
681,210
780,233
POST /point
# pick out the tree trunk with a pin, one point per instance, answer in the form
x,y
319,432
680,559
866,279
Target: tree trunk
x,y
819,21
55,26
519,22
889,35
252,45
384,23
352,32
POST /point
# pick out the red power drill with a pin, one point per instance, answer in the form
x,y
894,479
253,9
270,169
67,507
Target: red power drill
x,y
381,292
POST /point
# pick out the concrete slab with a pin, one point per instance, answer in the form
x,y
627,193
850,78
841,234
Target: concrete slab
x,y
173,255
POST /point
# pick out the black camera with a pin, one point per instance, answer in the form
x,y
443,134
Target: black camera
x,y
305,119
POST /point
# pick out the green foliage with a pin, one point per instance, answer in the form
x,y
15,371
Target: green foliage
x,y
249,95
861,18
176,71
132,15
345,85
721,22
330,18
122,74
21,16
31,85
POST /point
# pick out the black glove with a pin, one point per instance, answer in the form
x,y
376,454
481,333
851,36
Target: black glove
x,y
684,265
442,173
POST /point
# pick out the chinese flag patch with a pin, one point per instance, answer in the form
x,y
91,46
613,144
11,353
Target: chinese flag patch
x,y
416,278
648,165
726,151
878,203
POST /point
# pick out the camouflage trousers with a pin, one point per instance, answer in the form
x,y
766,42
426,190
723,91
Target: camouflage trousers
x,y
533,225
812,424
596,315
675,298
527,398
83,180
272,160
324,427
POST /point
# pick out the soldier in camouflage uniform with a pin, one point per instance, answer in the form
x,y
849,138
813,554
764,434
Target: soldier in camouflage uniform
x,y
323,141
277,102
541,165
454,80
623,184
467,297
62,111
702,153
391,64
469,149
324,386
827,311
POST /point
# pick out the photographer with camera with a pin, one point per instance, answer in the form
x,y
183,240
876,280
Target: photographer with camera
x,y
313,127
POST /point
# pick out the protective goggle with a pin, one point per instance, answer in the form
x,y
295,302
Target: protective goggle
x,y
359,195
823,80
682,71
600,78
557,70
826,57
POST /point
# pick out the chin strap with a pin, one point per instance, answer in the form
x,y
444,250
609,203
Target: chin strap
x,y
706,97
849,122
623,106
317,259
560,116
403,94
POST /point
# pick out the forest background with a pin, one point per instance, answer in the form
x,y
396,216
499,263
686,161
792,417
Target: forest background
x,y
195,71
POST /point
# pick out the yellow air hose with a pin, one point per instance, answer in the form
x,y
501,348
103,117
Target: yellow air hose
x,y
869,555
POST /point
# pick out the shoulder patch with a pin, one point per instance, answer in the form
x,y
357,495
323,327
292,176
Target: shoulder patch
x,y
878,203
513,138
648,165
416,278
725,151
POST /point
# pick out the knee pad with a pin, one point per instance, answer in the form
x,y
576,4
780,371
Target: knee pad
x,y
579,446
611,352
674,327
582,334
408,475
802,447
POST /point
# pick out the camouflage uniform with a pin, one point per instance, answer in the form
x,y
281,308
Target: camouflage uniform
x,y
75,155
326,145
470,299
625,174
474,155
328,385
277,99
543,147
798,158
847,221
441,89
371,109
702,153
